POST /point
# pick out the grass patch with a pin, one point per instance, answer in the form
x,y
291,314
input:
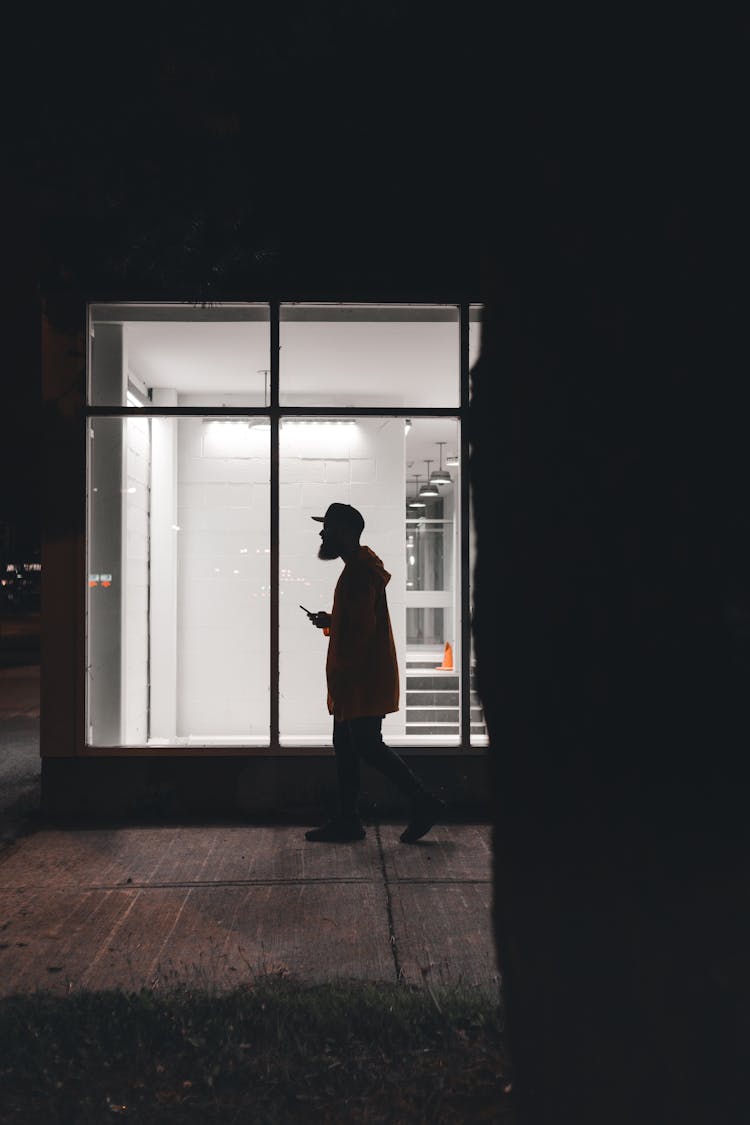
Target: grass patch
x,y
277,1051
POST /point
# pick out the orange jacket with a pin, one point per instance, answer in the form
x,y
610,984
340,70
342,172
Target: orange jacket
x,y
361,666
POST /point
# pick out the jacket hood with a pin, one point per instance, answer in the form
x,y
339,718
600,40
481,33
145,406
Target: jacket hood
x,y
373,564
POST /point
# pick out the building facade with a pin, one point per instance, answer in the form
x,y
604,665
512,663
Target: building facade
x,y
193,445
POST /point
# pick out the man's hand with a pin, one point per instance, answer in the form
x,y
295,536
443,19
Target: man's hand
x,y
321,620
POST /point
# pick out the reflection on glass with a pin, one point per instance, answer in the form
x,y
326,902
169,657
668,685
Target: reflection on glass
x,y
178,589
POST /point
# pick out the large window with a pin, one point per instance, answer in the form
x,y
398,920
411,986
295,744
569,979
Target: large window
x,y
214,435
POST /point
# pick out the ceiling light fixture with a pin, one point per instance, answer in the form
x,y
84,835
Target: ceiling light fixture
x,y
428,491
416,502
318,422
260,422
441,475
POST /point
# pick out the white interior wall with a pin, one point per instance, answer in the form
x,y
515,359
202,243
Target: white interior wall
x,y
163,606
136,577
217,564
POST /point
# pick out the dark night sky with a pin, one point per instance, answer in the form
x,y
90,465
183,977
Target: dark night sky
x,y
364,149
330,137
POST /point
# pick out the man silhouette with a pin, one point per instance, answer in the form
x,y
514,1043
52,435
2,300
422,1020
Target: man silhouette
x,y
362,679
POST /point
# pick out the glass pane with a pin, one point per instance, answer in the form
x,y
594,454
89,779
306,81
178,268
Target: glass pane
x,y
357,461
429,551
374,355
178,624
433,592
367,462
425,627
177,355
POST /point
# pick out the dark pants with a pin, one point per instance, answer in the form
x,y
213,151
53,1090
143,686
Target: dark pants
x,y
354,739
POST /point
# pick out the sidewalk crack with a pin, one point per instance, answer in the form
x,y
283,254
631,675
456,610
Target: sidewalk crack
x,y
389,908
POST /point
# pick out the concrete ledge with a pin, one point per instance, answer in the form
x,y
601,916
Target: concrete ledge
x,y
295,789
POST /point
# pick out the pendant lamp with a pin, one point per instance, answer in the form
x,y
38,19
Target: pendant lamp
x,y
428,490
441,475
416,502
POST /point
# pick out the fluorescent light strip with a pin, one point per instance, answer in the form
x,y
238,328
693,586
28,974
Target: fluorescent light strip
x,y
263,423
318,422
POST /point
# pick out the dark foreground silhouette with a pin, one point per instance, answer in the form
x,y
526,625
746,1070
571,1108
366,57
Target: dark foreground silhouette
x,y
612,629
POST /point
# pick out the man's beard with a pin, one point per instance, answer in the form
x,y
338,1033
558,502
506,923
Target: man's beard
x,y
327,551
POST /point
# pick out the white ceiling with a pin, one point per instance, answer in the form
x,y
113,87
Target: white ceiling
x,y
365,364
368,364
190,358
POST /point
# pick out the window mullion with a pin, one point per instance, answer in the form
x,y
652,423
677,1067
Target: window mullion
x,y
274,522
464,518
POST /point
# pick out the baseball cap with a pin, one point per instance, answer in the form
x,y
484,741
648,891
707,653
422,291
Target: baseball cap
x,y
344,515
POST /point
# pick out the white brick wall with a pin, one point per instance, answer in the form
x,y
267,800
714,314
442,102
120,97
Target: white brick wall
x,y
301,470
222,579
222,569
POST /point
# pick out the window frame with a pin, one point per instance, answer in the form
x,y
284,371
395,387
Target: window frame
x,y
275,412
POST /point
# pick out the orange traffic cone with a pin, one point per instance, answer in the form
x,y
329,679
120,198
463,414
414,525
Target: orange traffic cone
x,y
447,665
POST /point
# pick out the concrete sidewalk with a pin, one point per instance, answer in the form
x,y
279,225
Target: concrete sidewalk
x,y
151,907
20,764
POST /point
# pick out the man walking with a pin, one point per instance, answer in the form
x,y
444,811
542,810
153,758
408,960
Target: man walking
x,y
362,679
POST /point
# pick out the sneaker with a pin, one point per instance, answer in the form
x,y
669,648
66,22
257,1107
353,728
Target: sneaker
x,y
426,811
338,831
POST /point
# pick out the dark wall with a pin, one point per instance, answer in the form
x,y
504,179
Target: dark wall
x,y
296,789
609,475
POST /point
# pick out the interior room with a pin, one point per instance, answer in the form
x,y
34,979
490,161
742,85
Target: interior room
x,y
179,516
